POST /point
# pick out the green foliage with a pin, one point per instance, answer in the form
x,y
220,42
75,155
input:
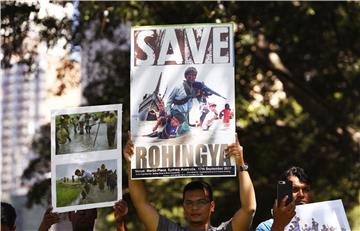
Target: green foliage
x,y
306,127
313,123
17,21
39,166
14,22
354,214
39,193
66,193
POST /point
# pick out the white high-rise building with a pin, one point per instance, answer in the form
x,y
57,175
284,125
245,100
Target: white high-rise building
x,y
22,94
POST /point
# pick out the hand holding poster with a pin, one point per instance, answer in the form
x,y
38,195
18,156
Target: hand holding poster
x,y
182,100
85,160
321,216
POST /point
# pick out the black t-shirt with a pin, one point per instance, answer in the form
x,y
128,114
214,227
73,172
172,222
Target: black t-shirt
x,y
168,225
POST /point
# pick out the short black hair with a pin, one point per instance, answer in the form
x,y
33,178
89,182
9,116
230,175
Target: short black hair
x,y
8,215
298,172
194,185
190,70
179,116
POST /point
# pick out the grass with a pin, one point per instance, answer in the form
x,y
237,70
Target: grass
x,y
66,193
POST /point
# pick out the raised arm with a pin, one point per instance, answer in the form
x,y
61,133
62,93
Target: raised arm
x,y
243,217
147,213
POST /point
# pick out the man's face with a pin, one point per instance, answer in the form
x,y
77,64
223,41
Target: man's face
x,y
198,207
301,191
190,78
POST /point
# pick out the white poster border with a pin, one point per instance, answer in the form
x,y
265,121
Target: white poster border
x,y
85,157
328,213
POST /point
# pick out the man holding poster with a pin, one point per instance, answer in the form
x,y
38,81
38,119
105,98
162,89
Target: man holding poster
x,y
198,203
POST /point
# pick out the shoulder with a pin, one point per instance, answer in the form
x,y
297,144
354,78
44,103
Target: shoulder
x,y
178,87
175,90
225,226
265,225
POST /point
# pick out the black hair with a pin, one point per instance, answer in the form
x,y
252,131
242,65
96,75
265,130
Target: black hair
x,y
77,171
190,70
194,185
298,172
8,215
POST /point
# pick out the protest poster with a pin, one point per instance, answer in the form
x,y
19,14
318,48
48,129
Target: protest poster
x,y
321,216
86,157
182,100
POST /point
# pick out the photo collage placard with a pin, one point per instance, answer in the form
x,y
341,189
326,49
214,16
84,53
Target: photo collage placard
x,y
86,157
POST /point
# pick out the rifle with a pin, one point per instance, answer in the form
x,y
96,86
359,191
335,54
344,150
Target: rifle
x,y
205,90
97,131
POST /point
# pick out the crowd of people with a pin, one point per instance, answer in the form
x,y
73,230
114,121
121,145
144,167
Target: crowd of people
x,y
198,203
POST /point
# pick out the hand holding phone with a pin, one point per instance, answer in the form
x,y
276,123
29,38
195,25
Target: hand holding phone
x,y
284,188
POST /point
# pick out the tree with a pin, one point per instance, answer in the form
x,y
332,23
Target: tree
x,y
297,90
294,73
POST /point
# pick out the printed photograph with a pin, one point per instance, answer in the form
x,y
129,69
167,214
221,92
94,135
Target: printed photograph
x,y
87,183
185,104
320,216
85,132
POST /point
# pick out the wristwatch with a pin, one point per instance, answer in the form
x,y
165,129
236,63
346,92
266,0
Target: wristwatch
x,y
243,167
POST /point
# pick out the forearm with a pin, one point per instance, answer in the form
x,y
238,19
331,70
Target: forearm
x,y
243,217
137,190
247,192
246,188
44,227
145,210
